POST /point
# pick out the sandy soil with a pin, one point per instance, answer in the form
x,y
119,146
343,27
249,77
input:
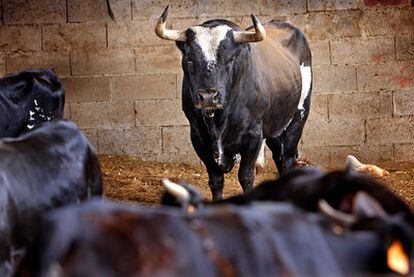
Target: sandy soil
x,y
129,179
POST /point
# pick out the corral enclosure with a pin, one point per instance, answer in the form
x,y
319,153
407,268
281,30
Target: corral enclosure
x,y
123,84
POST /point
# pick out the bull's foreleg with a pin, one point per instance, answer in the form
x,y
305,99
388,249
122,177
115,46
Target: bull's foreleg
x,y
247,163
215,174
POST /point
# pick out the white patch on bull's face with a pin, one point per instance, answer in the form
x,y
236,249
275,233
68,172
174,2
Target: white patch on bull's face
x,y
306,74
209,40
261,159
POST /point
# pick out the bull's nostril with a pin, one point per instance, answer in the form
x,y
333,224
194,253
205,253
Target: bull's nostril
x,y
200,96
216,97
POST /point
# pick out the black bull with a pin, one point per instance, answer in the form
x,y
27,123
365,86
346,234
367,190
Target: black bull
x,y
29,98
101,238
236,93
46,168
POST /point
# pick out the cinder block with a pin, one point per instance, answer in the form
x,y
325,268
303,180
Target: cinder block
x,y
387,21
370,154
103,115
362,50
136,33
334,78
360,105
14,38
59,61
149,8
2,63
404,102
148,86
92,136
319,107
34,12
245,7
334,132
385,3
162,59
66,111
180,77
316,155
135,141
84,89
159,113
329,5
103,61
74,36
208,8
176,139
390,130
320,52
405,47
322,25
404,152
97,11
283,7
397,75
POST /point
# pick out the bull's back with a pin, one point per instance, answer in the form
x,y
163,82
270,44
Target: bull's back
x,y
278,60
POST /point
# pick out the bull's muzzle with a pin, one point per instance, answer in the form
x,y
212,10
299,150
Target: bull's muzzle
x,y
208,99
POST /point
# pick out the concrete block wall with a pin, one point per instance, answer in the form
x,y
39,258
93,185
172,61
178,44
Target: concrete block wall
x,y
123,84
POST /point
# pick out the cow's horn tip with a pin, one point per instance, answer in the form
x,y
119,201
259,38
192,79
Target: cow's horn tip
x,y
164,15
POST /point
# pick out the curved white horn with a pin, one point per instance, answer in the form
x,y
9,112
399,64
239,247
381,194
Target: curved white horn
x,y
247,36
164,33
175,189
339,217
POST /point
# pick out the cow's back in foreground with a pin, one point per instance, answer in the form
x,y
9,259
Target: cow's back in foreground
x,y
264,239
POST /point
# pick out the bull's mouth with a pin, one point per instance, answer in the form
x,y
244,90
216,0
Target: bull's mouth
x,y
209,111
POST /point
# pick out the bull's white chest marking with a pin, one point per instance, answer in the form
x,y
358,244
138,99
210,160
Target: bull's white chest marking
x,y
209,40
306,74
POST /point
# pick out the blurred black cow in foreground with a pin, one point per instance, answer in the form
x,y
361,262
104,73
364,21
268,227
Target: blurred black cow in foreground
x,y
354,234
45,168
29,98
304,188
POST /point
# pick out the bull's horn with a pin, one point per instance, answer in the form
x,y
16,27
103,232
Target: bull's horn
x,y
175,189
339,217
246,36
163,32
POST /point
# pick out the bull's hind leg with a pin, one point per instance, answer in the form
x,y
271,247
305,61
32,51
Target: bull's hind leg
x,y
285,147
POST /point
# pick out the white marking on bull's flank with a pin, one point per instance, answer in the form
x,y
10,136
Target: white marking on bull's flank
x,y
306,74
261,159
209,40
30,126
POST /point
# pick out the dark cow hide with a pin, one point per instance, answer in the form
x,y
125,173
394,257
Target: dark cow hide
x,y
46,168
101,238
29,98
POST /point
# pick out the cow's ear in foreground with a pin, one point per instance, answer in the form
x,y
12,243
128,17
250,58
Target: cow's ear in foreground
x,y
176,190
397,259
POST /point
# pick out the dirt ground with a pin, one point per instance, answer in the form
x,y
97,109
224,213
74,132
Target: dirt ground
x,y
129,179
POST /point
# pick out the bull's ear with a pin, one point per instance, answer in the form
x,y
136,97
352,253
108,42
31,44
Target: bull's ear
x,y
397,259
367,206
